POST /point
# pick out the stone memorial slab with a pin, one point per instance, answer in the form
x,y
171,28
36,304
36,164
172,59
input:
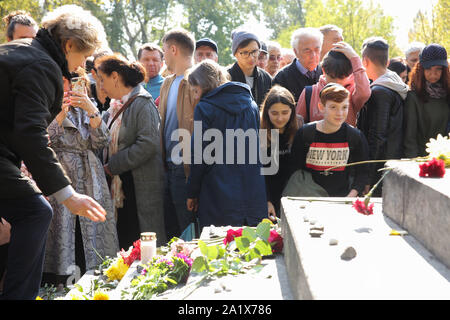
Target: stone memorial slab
x,y
382,266
269,283
419,205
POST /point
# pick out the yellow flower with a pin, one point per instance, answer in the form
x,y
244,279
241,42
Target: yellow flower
x,y
76,296
39,298
439,148
117,270
100,295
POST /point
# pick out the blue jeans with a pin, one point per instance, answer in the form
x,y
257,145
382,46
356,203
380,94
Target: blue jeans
x,y
177,217
30,219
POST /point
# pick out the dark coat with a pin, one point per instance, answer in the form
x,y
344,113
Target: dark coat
x,y
292,79
140,152
31,92
228,194
381,121
262,82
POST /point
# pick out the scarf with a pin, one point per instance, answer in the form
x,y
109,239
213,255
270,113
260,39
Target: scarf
x,y
435,90
116,184
54,50
80,120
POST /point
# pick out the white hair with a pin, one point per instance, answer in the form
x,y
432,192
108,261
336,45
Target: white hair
x,y
273,45
414,47
302,33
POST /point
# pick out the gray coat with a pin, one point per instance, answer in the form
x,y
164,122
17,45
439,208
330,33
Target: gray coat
x,y
140,151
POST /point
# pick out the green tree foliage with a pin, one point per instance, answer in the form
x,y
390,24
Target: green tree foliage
x,y
357,21
433,27
130,23
282,15
216,19
38,8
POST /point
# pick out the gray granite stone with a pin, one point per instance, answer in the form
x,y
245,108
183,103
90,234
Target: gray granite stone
x,y
386,266
419,205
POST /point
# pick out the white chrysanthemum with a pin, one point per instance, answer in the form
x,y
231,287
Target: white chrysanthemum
x,y
439,148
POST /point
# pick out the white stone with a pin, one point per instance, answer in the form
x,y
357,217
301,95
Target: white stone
x,y
333,242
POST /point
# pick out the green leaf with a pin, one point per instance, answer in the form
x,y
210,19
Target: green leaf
x,y
203,247
249,233
254,254
221,251
199,264
212,252
263,247
79,287
242,243
263,230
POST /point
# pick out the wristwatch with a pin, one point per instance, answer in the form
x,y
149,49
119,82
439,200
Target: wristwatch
x,y
95,115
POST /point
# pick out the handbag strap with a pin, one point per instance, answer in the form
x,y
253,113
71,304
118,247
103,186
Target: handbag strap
x,y
122,109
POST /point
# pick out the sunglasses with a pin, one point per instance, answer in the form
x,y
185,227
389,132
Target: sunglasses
x,y
273,58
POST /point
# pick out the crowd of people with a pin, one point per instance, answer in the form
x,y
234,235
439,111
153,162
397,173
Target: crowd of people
x,y
96,148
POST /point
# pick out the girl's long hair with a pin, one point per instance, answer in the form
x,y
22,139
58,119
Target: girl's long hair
x,y
417,81
278,94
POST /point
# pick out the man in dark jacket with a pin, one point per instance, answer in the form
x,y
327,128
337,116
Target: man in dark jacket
x,y
246,48
381,119
304,70
31,92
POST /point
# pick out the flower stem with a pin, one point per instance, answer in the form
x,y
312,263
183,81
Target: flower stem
x,y
375,161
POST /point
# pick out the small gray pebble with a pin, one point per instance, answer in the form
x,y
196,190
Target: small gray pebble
x,y
348,254
333,242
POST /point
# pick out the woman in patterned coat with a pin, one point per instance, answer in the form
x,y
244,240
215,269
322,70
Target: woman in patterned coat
x,y
76,134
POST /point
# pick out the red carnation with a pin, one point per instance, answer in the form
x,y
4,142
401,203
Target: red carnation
x,y
135,253
276,241
361,207
231,234
434,168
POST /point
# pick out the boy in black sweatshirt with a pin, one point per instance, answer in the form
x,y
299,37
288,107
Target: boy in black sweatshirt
x,y
330,143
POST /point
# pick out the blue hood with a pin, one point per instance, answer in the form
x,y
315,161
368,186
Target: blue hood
x,y
232,97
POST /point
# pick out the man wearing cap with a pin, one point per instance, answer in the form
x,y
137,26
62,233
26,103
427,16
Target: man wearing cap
x,y
246,48
206,49
304,70
263,58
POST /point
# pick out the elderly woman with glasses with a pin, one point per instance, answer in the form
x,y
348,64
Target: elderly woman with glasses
x,y
246,48
273,65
